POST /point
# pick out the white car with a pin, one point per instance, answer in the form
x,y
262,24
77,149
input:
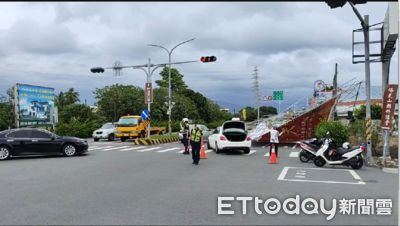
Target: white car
x,y
231,135
107,131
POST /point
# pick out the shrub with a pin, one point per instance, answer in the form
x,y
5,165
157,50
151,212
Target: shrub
x,y
358,136
337,131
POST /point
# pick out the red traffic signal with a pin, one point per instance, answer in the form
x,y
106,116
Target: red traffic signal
x,y
208,59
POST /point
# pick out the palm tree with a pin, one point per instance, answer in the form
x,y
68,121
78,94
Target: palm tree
x,y
71,96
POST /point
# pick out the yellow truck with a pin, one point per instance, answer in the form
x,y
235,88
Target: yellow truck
x,y
133,126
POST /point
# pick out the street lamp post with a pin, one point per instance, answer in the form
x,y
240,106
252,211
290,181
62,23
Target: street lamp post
x,y
169,78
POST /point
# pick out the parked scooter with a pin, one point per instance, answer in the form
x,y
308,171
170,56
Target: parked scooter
x,y
309,149
345,155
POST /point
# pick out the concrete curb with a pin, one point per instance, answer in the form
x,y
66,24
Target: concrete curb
x,y
145,141
391,170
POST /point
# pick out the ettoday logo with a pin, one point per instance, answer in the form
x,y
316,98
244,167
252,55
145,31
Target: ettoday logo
x,y
272,206
308,206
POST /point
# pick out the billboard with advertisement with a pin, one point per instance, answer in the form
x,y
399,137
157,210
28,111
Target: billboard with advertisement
x,y
34,104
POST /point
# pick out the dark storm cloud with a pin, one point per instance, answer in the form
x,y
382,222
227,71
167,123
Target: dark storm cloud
x,y
293,44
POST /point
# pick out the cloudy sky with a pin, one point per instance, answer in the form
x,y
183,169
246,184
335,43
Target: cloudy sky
x,y
293,44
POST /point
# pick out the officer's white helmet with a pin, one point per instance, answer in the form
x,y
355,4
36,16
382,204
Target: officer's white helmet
x,y
346,145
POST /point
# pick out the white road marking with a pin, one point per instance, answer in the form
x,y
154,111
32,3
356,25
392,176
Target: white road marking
x,y
113,148
169,149
286,168
130,149
300,176
283,173
148,149
294,154
267,154
209,150
180,152
294,146
252,152
355,175
98,148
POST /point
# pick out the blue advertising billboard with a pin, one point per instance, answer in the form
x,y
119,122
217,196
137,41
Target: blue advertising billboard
x,y
35,104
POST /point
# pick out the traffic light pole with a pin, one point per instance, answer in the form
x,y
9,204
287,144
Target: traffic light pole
x,y
365,27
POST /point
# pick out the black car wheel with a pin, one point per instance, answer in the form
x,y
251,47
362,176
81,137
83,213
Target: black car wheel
x,y
123,139
208,145
111,137
4,153
96,139
247,151
69,150
303,156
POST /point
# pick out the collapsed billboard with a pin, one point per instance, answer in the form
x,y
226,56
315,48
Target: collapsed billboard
x,y
34,105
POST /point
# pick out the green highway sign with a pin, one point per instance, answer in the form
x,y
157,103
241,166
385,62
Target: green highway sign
x,y
278,95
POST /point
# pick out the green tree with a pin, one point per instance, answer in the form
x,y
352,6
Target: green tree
x,y
118,100
67,98
177,83
78,120
267,110
376,112
6,115
337,131
251,113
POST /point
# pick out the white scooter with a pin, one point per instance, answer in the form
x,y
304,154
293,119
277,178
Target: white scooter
x,y
346,155
309,149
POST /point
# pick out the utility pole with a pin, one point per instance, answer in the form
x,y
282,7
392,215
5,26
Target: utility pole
x,y
256,89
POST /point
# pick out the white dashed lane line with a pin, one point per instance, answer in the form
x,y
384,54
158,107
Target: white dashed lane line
x,y
252,152
167,150
148,149
119,147
294,154
130,149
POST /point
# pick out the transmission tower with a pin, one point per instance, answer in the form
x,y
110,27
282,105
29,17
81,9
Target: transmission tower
x,y
256,90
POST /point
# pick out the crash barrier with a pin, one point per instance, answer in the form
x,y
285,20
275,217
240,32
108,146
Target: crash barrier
x,y
151,141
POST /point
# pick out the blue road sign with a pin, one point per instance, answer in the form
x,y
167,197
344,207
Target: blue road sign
x,y
145,114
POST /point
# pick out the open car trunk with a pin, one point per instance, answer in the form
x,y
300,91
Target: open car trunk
x,y
234,131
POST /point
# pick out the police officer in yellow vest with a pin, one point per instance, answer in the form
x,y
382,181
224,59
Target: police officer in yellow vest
x,y
196,137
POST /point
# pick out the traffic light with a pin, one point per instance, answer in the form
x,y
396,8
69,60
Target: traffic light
x,y
335,3
208,59
340,3
97,70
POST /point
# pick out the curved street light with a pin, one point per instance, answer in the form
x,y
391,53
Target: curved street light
x,y
169,77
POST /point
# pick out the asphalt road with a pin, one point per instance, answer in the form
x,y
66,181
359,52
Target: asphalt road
x,y
120,183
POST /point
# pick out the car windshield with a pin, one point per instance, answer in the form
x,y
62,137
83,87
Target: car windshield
x,y
107,126
128,122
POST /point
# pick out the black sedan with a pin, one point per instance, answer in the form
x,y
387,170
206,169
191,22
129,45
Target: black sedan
x,y
29,141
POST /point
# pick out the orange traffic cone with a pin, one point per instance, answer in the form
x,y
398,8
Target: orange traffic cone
x,y
272,158
203,154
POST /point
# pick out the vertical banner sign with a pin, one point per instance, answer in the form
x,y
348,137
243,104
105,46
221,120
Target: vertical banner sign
x,y
388,107
34,104
148,93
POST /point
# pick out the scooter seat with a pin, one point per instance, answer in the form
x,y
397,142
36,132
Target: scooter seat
x,y
345,150
313,146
